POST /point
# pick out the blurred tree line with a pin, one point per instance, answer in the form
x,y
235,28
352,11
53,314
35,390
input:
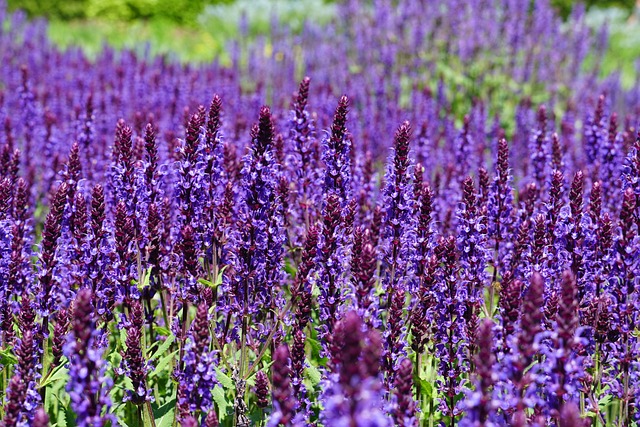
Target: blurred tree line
x,y
181,12
184,12
565,6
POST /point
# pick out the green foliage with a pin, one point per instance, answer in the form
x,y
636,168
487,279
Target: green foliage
x,y
624,42
183,12
565,6
68,9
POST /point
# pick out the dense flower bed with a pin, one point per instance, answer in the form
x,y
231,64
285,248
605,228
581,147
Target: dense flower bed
x,y
172,252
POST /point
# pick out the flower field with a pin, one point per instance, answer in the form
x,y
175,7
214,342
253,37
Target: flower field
x,y
420,213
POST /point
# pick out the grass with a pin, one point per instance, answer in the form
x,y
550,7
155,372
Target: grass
x,y
624,42
186,44
203,41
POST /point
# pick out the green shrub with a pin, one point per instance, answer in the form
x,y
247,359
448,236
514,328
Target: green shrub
x,y
68,9
182,12
565,6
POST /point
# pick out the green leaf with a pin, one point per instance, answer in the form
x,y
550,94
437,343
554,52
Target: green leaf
x,y
61,421
221,401
207,283
167,419
313,374
7,358
602,403
144,279
426,388
315,348
162,330
289,268
164,414
217,282
114,358
59,373
163,363
224,380
163,347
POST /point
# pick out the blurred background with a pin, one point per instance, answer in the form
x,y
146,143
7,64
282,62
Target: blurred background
x,y
198,30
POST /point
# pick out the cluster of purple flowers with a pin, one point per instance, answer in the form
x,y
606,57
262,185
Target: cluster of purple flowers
x,y
173,251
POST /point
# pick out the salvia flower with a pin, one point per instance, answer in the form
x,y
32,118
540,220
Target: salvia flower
x,y
48,286
404,407
88,386
353,394
284,403
258,239
41,418
302,161
133,363
262,389
197,377
451,334
563,366
336,156
15,396
480,403
521,384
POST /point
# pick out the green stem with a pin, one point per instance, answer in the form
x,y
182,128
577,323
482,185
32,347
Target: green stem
x,y
183,337
147,417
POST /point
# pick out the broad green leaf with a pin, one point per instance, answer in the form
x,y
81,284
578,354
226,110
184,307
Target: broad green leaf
x,y
163,362
167,419
426,388
61,421
290,269
59,373
163,347
164,414
221,401
313,374
315,348
162,330
7,358
224,380
114,358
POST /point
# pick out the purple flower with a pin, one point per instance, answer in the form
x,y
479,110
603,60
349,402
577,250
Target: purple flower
x,y
258,241
262,389
133,363
364,264
41,418
353,395
539,149
480,404
404,406
15,396
284,403
337,156
197,376
500,208
330,264
398,235
302,161
563,366
88,386
519,388
472,245
450,338
49,289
